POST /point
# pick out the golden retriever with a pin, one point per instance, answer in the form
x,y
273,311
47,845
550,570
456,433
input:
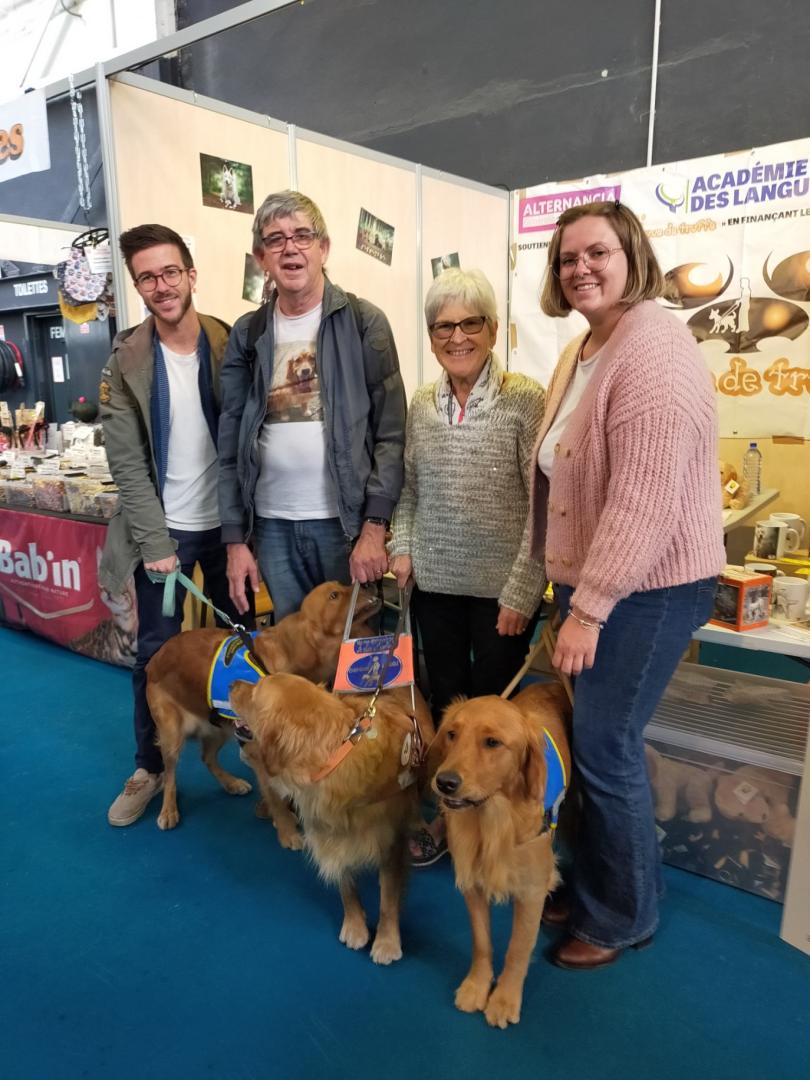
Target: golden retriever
x,y
489,772
306,642
358,815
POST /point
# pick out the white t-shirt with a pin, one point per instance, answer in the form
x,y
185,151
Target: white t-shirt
x,y
294,478
190,491
573,396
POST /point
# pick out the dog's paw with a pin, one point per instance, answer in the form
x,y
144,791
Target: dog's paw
x,y
354,935
472,995
234,785
168,819
291,839
503,1007
386,950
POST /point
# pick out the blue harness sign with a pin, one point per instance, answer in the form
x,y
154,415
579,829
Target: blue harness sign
x,y
230,663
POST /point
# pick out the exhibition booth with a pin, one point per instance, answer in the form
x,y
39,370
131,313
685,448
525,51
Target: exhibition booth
x,y
732,234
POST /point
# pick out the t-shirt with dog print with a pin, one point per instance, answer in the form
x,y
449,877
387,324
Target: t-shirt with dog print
x,y
294,480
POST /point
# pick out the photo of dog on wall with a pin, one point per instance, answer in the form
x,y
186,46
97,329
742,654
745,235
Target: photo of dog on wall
x,y
226,185
255,286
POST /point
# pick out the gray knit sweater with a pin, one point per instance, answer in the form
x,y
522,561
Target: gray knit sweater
x,y
463,512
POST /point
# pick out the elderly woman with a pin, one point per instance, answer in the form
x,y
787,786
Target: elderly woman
x,y
461,526
626,506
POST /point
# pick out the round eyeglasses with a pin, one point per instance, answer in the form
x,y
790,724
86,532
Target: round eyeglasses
x,y
170,277
596,257
277,241
442,331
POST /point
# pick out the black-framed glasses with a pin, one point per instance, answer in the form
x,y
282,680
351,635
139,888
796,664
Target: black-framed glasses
x,y
170,276
473,324
277,241
596,257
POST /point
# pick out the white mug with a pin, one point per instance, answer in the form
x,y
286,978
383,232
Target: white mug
x,y
772,538
795,521
790,596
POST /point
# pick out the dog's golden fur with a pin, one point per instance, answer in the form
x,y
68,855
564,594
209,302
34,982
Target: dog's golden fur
x,y
489,772
306,643
357,816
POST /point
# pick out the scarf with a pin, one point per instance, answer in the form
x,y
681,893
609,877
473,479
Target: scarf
x,y
485,389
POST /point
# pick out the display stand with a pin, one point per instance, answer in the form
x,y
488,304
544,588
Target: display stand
x,y
733,519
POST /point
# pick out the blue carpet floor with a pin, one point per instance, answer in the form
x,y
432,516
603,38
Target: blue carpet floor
x,y
208,952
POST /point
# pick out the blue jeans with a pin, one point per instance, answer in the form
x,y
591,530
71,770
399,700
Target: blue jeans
x,y
616,873
295,556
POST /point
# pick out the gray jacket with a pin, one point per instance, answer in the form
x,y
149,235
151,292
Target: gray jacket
x,y
364,415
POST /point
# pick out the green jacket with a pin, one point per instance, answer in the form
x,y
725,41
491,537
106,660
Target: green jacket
x,y
138,532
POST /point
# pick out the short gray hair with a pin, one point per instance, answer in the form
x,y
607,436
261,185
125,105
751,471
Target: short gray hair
x,y
285,204
468,287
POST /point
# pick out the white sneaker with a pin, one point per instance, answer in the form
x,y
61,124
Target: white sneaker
x,y
138,792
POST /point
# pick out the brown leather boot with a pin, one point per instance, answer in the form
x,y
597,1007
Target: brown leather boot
x,y
556,910
576,955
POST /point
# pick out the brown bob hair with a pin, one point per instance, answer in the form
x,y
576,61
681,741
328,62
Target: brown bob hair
x,y
644,278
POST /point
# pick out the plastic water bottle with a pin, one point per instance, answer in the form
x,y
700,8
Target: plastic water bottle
x,y
752,469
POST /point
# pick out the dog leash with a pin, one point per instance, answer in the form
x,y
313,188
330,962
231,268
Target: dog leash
x,y
176,577
545,641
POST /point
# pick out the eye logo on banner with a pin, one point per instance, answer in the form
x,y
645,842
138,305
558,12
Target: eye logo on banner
x,y
673,198
24,146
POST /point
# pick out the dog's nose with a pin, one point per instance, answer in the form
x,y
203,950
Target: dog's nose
x,y
448,783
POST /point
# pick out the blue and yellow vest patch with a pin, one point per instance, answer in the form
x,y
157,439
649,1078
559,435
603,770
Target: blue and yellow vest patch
x,y
230,663
556,781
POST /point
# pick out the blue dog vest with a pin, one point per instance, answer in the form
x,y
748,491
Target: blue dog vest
x,y
230,663
556,782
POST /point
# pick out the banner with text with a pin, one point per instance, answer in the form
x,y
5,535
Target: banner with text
x,y
732,235
49,584
24,146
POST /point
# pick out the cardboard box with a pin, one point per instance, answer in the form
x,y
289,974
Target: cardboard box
x,y
742,600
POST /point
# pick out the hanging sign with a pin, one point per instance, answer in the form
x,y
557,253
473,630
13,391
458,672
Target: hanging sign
x,y
732,235
24,146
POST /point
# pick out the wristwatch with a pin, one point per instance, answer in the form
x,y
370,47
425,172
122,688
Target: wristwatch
x,y
377,521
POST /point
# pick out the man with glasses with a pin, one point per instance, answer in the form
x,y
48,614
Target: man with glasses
x,y
159,399
313,421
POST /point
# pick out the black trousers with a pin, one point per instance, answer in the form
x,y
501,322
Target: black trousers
x,y
464,653
154,630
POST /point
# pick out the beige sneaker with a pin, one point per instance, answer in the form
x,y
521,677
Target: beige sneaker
x,y
138,792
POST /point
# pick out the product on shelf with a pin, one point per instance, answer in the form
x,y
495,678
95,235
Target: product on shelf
x,y
49,493
19,493
107,501
81,494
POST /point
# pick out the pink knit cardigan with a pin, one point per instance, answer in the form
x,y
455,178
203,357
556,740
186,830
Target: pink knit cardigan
x,y
634,501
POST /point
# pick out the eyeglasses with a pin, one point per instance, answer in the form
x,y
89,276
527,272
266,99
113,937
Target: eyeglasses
x,y
442,331
277,241
596,257
170,277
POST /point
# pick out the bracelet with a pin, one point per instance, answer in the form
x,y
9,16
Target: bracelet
x,y
597,626
377,521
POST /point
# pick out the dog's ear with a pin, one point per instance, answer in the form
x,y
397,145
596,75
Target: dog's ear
x,y
241,697
534,768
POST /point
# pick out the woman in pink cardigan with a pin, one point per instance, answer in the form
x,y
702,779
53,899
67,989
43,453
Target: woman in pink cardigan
x,y
626,511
